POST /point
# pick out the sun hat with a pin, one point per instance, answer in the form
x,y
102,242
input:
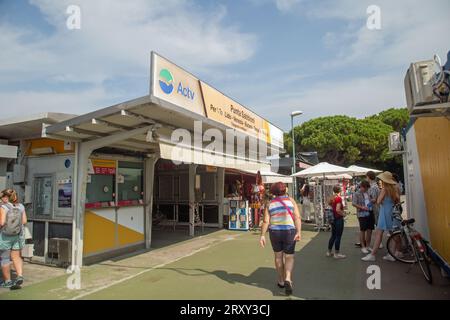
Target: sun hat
x,y
386,177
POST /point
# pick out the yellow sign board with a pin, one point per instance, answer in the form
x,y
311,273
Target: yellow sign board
x,y
222,109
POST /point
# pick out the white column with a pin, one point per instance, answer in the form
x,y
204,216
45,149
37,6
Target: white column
x,y
220,193
149,177
82,158
192,173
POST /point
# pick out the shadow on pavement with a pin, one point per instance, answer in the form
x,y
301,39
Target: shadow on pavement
x,y
260,278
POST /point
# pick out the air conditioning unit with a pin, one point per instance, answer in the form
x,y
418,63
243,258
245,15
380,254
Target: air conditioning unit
x,y
395,142
418,88
61,250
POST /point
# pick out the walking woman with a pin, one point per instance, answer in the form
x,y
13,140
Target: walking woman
x,y
389,196
12,219
282,219
337,227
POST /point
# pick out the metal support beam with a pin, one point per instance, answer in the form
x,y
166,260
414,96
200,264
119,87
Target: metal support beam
x,y
109,124
192,174
138,117
149,186
80,185
135,143
221,193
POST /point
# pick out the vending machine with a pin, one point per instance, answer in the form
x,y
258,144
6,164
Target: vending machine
x,y
239,215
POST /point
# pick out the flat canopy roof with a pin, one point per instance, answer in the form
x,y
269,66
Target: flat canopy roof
x,y
143,115
133,114
126,116
29,126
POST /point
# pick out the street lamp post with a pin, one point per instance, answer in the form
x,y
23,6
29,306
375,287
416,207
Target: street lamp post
x,y
294,114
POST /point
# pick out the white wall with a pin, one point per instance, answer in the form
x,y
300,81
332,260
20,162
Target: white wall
x,y
416,205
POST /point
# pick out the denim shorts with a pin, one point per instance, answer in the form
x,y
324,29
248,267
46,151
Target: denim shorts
x,y
11,242
283,240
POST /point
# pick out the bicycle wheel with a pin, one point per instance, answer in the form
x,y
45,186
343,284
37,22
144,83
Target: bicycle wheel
x,y
399,248
424,263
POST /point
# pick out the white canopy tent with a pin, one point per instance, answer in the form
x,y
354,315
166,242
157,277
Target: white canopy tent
x,y
270,177
321,172
322,169
334,177
361,171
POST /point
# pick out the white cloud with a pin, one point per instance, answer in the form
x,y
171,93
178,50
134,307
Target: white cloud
x,y
366,66
410,31
356,97
31,102
115,41
286,5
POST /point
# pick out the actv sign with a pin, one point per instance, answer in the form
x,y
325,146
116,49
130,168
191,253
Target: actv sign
x,y
171,83
175,85
166,82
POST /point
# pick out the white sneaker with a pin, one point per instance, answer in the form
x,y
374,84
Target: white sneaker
x,y
399,254
388,257
369,257
328,254
365,250
339,256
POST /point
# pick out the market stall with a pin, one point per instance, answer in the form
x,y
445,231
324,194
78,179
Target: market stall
x,y
321,174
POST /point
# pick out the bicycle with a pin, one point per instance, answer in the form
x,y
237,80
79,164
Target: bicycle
x,y
406,244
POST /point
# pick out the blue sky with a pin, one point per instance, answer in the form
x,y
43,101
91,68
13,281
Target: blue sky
x,y
273,56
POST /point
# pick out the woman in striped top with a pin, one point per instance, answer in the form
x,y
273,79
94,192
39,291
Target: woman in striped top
x,y
282,219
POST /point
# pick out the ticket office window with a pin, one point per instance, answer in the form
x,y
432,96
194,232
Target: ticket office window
x,y
43,196
130,183
100,191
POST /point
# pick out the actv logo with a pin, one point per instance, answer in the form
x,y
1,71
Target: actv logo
x,y
166,82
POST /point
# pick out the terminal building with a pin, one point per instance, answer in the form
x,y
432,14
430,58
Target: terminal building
x,y
101,180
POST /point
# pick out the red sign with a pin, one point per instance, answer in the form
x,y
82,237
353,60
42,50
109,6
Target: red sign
x,y
104,170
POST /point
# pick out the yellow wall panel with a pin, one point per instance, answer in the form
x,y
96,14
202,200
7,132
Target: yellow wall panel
x,y
433,145
129,236
99,233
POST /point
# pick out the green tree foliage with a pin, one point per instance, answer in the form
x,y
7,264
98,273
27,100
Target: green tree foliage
x,y
344,140
396,118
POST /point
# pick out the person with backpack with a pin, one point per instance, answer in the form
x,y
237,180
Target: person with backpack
x,y
282,219
12,219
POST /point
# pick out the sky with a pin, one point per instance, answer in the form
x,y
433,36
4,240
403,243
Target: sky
x,y
272,56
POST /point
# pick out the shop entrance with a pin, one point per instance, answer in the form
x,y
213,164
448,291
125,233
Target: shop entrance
x,y
173,201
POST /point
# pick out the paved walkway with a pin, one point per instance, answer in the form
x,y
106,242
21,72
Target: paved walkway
x,y
230,265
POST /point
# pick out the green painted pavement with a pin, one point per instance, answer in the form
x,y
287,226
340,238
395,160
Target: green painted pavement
x,y
240,269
